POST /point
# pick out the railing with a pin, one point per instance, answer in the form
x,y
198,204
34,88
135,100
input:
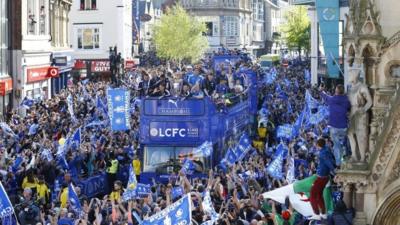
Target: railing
x,y
212,4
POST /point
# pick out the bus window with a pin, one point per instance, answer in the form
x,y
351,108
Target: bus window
x,y
156,156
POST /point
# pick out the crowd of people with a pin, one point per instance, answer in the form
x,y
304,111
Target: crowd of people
x,y
37,180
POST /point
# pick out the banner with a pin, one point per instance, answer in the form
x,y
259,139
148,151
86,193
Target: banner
x,y
180,212
275,167
285,131
74,200
70,105
6,209
328,18
94,186
204,150
118,109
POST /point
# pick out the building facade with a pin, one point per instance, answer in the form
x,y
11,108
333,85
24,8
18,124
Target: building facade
x,y
274,19
372,44
30,46
6,84
96,26
62,55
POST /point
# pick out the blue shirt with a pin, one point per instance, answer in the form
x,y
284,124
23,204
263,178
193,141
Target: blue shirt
x,y
192,80
221,89
339,106
65,221
326,162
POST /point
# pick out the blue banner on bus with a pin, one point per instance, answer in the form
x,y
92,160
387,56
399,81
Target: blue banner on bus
x,y
118,108
175,131
173,107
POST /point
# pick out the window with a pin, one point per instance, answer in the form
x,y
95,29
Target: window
x,y
88,38
32,17
42,17
3,37
209,31
231,26
260,14
88,5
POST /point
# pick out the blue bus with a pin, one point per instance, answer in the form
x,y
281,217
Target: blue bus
x,y
170,129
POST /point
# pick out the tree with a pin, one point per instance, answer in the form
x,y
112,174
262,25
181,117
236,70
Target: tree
x,y
297,29
179,36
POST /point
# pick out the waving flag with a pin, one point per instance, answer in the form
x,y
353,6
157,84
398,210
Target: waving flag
x,y
311,102
243,147
188,167
143,190
70,105
7,130
100,105
130,192
298,193
307,75
204,150
177,192
290,175
275,167
230,157
180,212
6,209
74,200
285,131
27,103
208,208
46,154
319,116
76,138
299,123
118,109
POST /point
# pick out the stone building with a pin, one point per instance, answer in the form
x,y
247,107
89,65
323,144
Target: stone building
x,y
372,44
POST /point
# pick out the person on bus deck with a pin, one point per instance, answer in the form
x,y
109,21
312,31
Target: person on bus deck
x,y
209,84
165,80
144,84
189,72
160,91
222,88
136,167
154,81
196,77
196,92
185,92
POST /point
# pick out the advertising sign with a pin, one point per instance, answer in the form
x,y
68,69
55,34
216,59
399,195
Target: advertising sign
x,y
5,86
100,66
175,131
328,17
36,74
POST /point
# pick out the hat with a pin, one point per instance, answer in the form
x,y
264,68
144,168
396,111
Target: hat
x,y
285,215
189,67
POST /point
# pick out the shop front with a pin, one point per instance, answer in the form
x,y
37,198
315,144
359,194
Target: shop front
x,y
95,69
6,87
37,83
64,63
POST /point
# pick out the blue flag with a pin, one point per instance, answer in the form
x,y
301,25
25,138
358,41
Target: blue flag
x,y
6,209
177,192
70,105
27,103
311,102
100,105
230,157
130,192
285,131
17,163
307,75
96,124
243,147
180,212
74,200
319,116
281,149
188,167
118,109
275,167
143,190
208,208
76,138
204,150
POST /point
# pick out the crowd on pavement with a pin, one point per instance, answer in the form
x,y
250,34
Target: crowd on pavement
x,y
37,180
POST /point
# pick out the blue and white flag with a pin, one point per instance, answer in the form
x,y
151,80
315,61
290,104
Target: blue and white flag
x,y
290,175
188,167
275,167
243,147
17,163
33,129
75,138
118,109
180,212
208,208
6,209
74,200
285,131
46,154
204,150
319,116
311,102
307,75
7,130
143,190
27,103
96,124
177,192
100,105
130,192
281,149
70,105
230,157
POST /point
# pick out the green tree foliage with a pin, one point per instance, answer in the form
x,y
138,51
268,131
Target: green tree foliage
x,y
179,36
297,29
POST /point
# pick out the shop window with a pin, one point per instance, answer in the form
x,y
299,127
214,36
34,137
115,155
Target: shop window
x,y
88,5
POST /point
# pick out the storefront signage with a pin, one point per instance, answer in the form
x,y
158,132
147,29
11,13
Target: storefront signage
x,y
130,64
60,61
174,131
5,86
53,72
37,74
100,66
